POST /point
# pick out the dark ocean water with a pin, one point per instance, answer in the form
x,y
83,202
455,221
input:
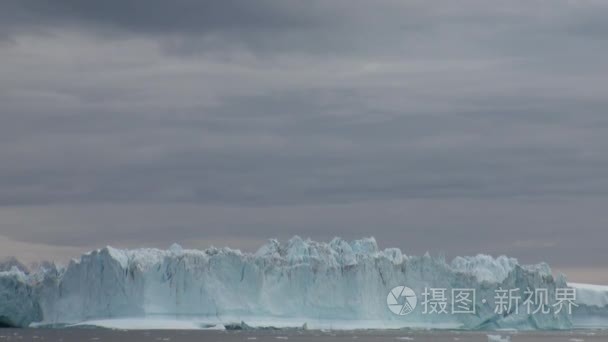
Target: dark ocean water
x,y
82,335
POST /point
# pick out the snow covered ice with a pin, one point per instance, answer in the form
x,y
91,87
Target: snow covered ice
x,y
323,285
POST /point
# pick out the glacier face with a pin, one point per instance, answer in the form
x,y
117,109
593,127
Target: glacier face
x,y
18,304
301,280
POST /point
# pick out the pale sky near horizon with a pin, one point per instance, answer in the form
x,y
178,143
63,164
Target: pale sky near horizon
x,y
451,127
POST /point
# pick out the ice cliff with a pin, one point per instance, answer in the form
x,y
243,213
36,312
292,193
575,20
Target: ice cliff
x,y
18,301
302,280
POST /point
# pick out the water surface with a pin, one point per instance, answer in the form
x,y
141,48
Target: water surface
x,y
95,334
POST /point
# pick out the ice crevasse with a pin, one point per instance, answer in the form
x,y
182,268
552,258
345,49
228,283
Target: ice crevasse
x,y
300,281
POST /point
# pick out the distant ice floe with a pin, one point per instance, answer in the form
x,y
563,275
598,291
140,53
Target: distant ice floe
x,y
498,338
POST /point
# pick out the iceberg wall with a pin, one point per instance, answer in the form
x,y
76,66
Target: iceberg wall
x,y
592,311
18,303
301,280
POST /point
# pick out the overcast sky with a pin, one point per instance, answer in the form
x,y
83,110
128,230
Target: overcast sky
x,y
456,127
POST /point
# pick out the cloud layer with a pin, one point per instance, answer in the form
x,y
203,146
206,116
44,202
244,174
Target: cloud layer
x,y
450,127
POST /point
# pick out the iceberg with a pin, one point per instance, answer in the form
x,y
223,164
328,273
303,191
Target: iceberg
x,y
592,311
18,302
299,283
498,338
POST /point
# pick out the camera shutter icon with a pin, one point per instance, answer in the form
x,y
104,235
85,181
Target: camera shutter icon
x,y
401,300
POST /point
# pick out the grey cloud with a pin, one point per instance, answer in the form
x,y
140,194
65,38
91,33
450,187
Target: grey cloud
x,y
157,16
265,27
286,149
554,230
480,126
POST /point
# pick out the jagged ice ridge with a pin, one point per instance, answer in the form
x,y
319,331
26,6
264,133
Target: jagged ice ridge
x,y
299,281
